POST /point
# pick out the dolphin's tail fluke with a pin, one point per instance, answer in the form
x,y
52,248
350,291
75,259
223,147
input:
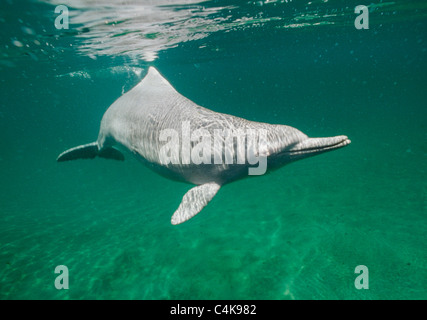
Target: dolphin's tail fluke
x,y
90,151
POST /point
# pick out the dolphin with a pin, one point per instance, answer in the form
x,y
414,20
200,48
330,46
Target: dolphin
x,y
157,124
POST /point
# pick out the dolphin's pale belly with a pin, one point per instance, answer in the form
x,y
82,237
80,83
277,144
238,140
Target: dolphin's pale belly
x,y
216,161
200,174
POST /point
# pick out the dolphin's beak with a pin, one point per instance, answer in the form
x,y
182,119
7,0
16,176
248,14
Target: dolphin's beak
x,y
312,146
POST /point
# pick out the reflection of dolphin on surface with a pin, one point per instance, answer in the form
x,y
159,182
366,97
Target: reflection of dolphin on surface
x,y
138,120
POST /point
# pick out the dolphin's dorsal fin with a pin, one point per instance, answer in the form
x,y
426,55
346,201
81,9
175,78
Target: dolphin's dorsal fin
x,y
194,201
154,75
154,80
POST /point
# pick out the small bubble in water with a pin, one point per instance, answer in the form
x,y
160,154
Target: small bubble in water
x,y
27,30
17,43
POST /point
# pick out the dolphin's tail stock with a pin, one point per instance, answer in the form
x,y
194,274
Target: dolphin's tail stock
x,y
90,151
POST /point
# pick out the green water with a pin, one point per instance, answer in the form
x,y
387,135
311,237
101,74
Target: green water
x,y
297,233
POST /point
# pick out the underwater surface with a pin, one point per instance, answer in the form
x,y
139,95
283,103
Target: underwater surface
x,y
296,233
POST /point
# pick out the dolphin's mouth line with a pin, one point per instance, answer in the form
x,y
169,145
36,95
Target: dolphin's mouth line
x,y
316,147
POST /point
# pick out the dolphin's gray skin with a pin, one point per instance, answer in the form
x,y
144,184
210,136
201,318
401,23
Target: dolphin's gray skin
x,y
136,120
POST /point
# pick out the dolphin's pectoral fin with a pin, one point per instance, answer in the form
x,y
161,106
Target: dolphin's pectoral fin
x,y
194,201
90,151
